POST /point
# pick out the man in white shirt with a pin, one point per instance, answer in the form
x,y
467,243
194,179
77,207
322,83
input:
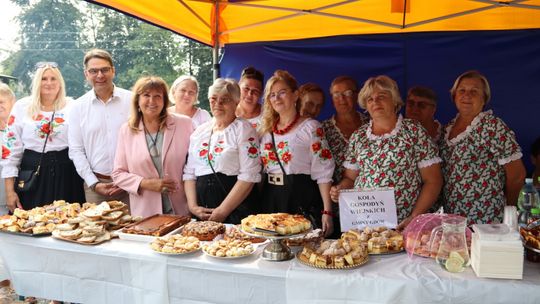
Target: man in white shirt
x,y
93,128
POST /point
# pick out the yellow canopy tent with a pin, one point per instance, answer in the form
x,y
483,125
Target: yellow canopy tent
x,y
241,21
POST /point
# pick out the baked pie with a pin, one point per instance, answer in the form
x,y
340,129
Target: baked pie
x,y
281,223
157,225
203,230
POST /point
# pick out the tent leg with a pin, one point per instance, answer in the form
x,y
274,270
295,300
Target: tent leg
x,y
215,57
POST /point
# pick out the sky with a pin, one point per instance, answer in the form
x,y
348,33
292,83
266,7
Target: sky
x,y
8,27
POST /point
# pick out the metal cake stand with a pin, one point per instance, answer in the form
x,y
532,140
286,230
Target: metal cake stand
x,y
277,250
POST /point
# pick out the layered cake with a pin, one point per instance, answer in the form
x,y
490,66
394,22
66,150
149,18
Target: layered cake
x,y
204,230
157,225
334,253
280,223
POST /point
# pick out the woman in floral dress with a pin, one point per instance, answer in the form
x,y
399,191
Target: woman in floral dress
x,y
32,118
339,128
482,165
295,156
223,161
391,151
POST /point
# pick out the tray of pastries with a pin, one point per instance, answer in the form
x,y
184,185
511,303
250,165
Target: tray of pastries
x,y
156,225
531,236
176,244
233,233
82,231
229,249
203,230
378,240
283,224
313,236
334,254
39,221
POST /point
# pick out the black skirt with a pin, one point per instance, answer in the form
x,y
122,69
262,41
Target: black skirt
x,y
210,194
58,179
299,195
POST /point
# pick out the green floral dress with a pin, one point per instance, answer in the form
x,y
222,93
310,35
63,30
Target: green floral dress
x,y
473,168
392,160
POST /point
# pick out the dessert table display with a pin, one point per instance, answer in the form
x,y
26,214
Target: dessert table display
x,y
122,271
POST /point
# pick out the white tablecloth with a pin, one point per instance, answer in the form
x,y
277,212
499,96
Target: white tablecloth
x,y
129,272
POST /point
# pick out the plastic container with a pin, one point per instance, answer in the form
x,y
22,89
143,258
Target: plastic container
x,y
420,238
528,199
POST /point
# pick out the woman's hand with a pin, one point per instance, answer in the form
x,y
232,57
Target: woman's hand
x,y
159,185
201,213
12,200
401,226
327,224
218,215
334,193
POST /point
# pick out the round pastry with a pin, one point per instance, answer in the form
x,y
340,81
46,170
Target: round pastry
x,y
234,233
204,231
281,223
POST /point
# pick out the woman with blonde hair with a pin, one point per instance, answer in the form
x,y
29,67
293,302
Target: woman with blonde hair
x,y
185,94
37,141
151,152
390,151
295,156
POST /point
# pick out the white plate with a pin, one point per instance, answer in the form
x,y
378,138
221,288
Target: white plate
x,y
229,258
144,238
183,253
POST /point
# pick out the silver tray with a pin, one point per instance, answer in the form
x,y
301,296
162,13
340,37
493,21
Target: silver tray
x,y
26,233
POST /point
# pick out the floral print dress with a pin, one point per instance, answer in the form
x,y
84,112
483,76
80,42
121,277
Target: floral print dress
x,y
25,132
234,151
474,176
338,144
303,150
392,160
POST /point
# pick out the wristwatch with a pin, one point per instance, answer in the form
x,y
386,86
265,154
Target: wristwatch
x,y
93,186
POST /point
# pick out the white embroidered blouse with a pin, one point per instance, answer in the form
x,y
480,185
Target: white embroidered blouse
x,y
303,150
25,132
232,151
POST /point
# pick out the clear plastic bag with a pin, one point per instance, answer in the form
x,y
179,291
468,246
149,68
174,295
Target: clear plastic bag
x,y
419,237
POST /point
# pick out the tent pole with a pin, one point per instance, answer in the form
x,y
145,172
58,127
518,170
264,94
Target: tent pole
x,y
215,57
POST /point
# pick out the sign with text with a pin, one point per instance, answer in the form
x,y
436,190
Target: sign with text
x,y
361,208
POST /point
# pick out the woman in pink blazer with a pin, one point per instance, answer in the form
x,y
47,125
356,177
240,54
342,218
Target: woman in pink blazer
x,y
151,152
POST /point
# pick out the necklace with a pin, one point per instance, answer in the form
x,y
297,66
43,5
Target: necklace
x,y
154,152
287,128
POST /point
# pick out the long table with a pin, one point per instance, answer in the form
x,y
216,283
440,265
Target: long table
x,y
123,271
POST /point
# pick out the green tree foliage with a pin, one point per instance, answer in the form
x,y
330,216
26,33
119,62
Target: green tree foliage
x,y
50,31
63,30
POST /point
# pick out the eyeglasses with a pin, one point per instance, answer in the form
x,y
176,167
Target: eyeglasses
x,y
347,93
249,91
419,104
43,64
279,95
103,71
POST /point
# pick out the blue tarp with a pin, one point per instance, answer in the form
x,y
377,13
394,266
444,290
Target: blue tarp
x,y
509,59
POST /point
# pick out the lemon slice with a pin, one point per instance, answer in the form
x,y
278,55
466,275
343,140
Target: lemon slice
x,y
453,264
456,255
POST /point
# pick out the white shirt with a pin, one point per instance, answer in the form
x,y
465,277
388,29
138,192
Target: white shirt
x,y
303,150
201,116
233,151
93,133
25,132
255,121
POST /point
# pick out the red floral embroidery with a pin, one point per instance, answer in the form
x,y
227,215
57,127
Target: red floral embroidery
x,y
320,132
11,120
316,146
218,149
286,157
281,145
252,150
59,120
203,152
268,146
326,154
5,152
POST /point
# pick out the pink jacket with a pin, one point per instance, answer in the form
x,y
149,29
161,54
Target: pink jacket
x,y
132,163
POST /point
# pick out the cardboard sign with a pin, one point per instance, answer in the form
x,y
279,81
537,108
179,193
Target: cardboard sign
x,y
361,208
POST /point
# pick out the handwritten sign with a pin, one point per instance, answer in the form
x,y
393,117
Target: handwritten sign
x,y
361,208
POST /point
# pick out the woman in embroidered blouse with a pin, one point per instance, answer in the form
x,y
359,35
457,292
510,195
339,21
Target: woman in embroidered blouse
x,y
391,151
30,121
185,92
482,161
295,156
151,152
223,163
339,128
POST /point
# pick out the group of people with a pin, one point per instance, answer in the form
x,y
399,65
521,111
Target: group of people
x,y
250,156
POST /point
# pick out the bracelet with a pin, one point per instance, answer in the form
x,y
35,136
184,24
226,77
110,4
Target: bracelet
x,y
93,187
330,213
